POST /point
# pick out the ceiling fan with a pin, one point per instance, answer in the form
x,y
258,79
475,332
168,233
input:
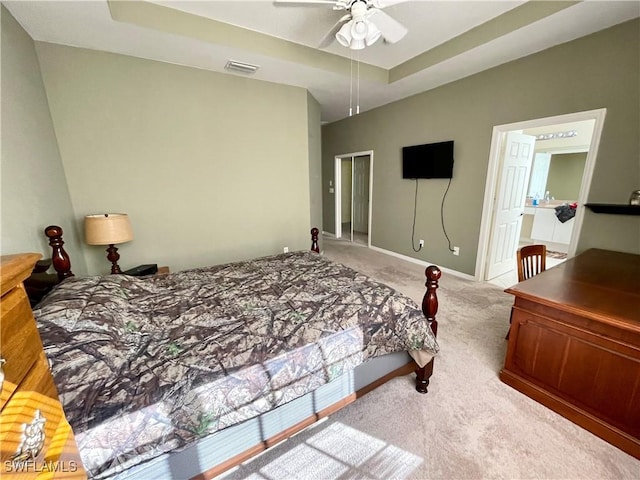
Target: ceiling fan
x,y
362,26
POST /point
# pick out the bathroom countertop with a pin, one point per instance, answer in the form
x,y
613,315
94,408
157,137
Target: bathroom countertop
x,y
549,204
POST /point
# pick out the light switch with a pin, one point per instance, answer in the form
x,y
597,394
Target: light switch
x,y
330,189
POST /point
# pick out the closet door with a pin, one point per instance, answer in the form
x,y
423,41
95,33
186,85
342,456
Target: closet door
x,y
361,194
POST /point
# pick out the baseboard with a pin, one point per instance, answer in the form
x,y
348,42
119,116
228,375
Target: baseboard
x,y
449,271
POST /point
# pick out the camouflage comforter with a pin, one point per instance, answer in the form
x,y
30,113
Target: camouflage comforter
x,y
145,365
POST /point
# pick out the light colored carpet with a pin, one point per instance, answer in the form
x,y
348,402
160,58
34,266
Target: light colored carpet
x,y
469,426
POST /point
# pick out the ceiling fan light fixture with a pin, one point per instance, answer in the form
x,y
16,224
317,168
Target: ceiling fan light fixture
x,y
373,34
344,35
359,30
357,44
357,35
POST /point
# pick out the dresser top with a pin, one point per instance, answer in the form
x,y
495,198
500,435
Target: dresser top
x,y
14,269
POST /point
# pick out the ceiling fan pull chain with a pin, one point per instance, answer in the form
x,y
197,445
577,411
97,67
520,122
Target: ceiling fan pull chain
x,y
358,86
350,83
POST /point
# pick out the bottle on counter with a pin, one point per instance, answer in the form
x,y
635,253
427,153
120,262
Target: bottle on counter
x,y
536,200
547,197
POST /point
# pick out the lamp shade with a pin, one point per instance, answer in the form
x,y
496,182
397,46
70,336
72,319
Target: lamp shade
x,y
107,229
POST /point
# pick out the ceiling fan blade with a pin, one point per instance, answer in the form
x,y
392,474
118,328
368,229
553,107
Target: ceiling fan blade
x,y
392,30
385,3
337,4
331,34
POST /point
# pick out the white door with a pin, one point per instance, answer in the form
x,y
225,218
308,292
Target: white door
x,y
509,204
361,194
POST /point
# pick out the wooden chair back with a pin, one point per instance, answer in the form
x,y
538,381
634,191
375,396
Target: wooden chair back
x,y
532,259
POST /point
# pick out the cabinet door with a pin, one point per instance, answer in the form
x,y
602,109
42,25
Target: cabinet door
x,y
544,222
562,231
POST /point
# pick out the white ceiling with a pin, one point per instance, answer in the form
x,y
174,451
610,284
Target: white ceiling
x,y
449,31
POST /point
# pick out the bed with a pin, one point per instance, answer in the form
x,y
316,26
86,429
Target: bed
x,y
190,373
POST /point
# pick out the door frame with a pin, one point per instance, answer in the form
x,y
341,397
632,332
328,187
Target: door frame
x,y
338,190
497,140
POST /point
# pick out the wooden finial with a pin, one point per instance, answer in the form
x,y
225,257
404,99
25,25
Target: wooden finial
x,y
314,240
430,299
429,308
59,257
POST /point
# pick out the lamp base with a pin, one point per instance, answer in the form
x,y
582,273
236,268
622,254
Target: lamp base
x,y
113,256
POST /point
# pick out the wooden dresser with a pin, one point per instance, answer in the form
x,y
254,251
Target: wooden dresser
x,y
574,343
35,437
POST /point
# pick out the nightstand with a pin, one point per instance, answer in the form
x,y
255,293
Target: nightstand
x,y
141,270
40,282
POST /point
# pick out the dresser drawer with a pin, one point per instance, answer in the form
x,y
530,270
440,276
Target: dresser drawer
x,y
59,456
28,412
39,378
20,344
36,440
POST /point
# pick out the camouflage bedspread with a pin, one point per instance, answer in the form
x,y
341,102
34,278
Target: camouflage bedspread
x,y
145,365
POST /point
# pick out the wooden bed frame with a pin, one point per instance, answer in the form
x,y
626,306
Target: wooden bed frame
x,y
62,265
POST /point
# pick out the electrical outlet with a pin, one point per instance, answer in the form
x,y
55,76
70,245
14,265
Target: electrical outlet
x,y
286,249
456,250
421,243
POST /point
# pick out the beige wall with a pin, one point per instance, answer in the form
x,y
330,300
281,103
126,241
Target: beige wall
x,y
315,163
210,167
34,189
598,71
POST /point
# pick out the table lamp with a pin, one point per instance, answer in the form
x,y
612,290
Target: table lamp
x,y
108,229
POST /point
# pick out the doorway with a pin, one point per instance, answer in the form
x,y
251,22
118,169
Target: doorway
x,y
489,239
353,196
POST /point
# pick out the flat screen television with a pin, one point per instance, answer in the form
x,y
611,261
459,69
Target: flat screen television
x,y
431,160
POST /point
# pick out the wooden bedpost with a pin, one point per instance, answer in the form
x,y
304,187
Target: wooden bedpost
x,y
314,240
59,256
429,308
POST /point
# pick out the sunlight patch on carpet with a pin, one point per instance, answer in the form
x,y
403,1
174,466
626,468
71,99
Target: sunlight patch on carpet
x,y
303,461
340,451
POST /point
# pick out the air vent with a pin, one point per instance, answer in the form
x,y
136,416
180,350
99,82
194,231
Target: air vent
x,y
241,67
